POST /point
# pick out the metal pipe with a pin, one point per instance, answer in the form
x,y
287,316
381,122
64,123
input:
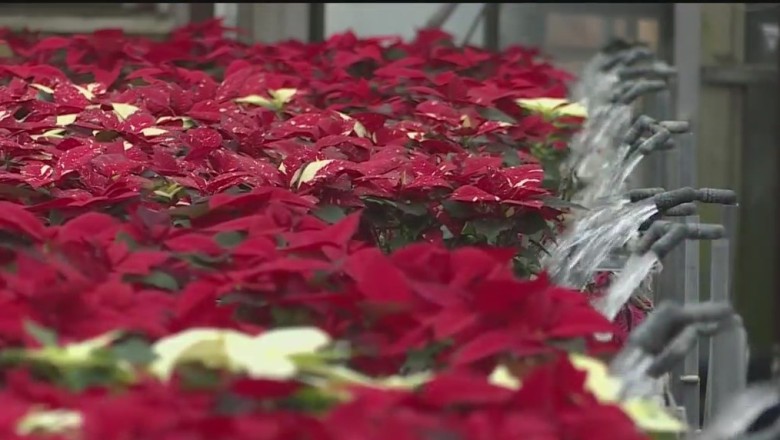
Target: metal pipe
x,y
640,88
638,128
674,236
658,70
718,196
638,194
675,197
676,127
690,231
681,210
660,137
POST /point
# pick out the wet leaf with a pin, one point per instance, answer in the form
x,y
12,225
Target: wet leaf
x,y
329,213
43,335
161,280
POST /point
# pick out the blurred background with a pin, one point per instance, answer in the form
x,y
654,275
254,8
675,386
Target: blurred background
x,y
726,55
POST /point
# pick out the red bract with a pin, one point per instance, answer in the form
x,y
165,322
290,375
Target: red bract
x,y
152,187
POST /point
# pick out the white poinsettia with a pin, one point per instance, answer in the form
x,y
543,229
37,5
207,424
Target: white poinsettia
x,y
278,98
270,355
648,415
49,422
308,172
554,107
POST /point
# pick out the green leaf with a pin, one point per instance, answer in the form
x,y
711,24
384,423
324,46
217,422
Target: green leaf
x,y
134,350
311,400
532,223
161,280
558,203
46,337
203,261
230,239
510,158
495,114
56,218
424,359
491,228
457,209
197,377
79,379
329,213
415,209
43,96
106,135
127,239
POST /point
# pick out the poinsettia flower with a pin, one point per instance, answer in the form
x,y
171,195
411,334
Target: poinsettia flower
x,y
50,422
554,107
268,355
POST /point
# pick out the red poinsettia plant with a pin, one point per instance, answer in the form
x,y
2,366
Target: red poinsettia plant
x,y
205,239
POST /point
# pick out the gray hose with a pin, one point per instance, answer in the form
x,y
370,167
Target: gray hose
x,y
676,235
659,138
668,320
658,70
637,54
701,231
718,196
638,128
692,231
666,146
638,194
676,127
642,87
675,197
681,345
656,230
627,57
681,210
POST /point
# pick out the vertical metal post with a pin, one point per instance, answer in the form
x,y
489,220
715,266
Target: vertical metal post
x,y
727,369
687,376
776,345
491,28
201,12
687,60
316,22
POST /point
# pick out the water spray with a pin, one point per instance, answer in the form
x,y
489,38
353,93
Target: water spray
x,y
664,339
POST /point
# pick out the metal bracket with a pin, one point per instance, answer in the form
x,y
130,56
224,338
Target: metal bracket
x,y
738,76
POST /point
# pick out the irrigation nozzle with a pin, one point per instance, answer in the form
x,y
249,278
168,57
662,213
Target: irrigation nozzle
x,y
681,210
637,89
738,418
667,336
674,197
717,196
626,57
668,241
657,70
660,134
657,141
676,127
662,236
669,199
638,194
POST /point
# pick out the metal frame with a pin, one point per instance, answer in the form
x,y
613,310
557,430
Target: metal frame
x,y
738,76
492,26
776,332
316,22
